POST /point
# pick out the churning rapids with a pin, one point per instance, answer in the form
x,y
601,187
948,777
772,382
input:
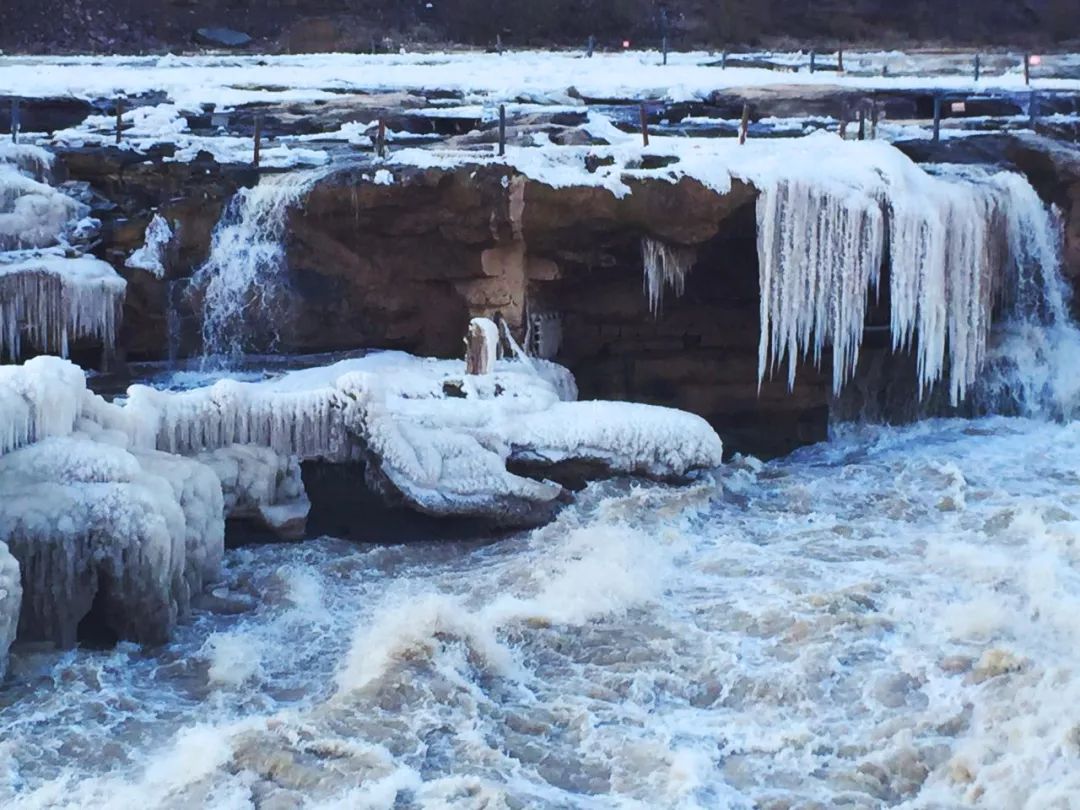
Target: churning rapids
x,y
891,617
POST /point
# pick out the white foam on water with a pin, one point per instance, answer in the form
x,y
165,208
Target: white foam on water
x,y
889,619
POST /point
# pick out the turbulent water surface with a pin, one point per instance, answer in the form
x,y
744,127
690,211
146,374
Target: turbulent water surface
x,y
889,618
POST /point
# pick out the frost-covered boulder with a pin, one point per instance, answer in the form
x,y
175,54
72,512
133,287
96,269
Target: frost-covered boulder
x,y
93,525
41,398
261,486
10,600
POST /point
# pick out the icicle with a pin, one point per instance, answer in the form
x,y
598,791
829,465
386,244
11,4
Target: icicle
x,y
819,252
53,301
665,266
243,276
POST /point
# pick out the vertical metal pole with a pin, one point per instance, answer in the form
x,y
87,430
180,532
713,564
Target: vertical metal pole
x,y
643,114
723,60
978,67
119,118
1027,68
862,125
258,141
592,45
14,120
664,46
498,43
380,139
813,61
744,124
937,118
840,61
502,130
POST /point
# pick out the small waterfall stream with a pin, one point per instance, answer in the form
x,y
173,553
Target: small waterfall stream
x,y
243,282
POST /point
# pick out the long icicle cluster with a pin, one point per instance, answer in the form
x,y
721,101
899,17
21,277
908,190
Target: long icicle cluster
x,y
51,302
821,247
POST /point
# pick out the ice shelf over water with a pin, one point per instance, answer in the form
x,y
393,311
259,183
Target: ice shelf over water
x,y
121,507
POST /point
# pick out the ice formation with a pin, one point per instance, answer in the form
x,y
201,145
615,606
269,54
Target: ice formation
x,y
262,486
951,237
94,526
93,520
33,214
152,256
51,301
665,266
243,280
10,601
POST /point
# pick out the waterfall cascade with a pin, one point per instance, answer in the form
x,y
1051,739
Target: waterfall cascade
x,y
242,281
958,242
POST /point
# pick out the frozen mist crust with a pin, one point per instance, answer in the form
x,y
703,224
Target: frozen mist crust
x,y
121,507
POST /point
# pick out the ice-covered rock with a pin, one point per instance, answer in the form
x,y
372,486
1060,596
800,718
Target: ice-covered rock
x,y
261,486
41,398
10,601
153,255
95,527
51,301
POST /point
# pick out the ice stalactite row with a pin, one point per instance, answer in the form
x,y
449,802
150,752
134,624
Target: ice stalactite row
x,y
52,301
666,266
819,251
243,280
951,238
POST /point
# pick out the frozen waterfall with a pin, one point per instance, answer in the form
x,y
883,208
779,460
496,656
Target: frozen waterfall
x,y
242,281
955,240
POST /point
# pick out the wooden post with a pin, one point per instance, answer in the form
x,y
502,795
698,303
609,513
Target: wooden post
x,y
723,60
380,139
813,61
14,120
978,67
1027,68
937,118
862,125
840,61
644,115
119,119
592,45
664,47
502,130
479,351
258,141
744,124
873,119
